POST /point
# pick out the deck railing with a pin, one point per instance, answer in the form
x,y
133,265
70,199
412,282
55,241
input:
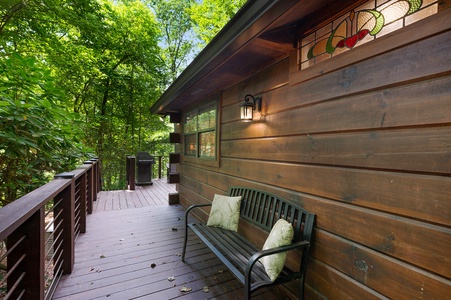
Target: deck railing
x,y
38,232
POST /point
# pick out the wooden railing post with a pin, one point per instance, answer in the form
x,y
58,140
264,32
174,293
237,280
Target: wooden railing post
x,y
127,169
96,177
90,192
132,173
27,259
84,207
159,166
65,215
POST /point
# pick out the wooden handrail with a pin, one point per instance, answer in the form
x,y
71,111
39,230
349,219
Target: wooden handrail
x,y
67,199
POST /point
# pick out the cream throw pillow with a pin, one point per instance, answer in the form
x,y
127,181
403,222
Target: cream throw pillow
x,y
281,234
225,212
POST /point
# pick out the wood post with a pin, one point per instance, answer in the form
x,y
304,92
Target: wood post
x,y
131,183
27,259
65,213
90,182
159,167
83,192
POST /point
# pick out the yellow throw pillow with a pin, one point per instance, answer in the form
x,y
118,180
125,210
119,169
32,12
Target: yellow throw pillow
x,y
281,235
225,212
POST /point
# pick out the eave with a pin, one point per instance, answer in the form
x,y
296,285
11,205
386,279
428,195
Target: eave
x,y
260,34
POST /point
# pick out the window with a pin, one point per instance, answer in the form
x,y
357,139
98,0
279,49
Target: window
x,y
200,132
369,21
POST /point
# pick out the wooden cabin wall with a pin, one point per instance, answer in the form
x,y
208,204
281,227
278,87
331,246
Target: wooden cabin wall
x,y
363,140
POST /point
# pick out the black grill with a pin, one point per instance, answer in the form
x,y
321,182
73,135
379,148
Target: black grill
x,y
144,163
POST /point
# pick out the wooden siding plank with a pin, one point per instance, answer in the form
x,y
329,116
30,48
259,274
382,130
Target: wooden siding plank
x,y
395,236
392,278
414,149
418,196
190,197
206,177
416,104
336,285
269,79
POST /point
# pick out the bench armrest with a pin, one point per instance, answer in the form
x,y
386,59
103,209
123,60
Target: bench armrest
x,y
198,205
253,260
192,207
186,226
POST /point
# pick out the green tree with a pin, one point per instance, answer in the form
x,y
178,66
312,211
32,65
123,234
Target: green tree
x,y
37,133
127,76
33,27
101,62
104,58
176,38
210,16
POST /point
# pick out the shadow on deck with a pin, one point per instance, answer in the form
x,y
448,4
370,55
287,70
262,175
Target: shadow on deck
x,y
132,248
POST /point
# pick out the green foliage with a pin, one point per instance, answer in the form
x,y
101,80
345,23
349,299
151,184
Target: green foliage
x,y
210,16
176,38
37,133
82,74
125,78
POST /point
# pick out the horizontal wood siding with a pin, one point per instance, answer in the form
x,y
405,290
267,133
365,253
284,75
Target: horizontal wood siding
x,y
365,144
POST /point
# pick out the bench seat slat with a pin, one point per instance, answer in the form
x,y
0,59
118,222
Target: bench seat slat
x,y
230,247
218,253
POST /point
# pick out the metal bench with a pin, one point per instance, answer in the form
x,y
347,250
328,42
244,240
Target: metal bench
x,y
241,256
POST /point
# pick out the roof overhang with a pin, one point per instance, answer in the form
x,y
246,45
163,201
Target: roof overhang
x,y
260,34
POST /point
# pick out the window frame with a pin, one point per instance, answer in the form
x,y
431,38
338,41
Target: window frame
x,y
197,158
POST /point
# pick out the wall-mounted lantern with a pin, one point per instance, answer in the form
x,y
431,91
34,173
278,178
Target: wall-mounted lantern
x,y
248,107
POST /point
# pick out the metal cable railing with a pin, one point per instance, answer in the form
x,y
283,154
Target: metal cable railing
x,y
39,230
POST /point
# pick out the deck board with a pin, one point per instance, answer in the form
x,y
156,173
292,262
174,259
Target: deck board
x,y
132,246
146,195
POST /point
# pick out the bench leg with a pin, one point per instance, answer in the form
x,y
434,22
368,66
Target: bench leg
x,y
185,242
303,271
247,286
184,245
301,286
247,293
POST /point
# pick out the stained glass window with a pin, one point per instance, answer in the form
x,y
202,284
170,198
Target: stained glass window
x,y
369,21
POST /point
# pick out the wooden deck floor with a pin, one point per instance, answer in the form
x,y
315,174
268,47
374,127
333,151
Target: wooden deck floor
x,y
148,195
133,245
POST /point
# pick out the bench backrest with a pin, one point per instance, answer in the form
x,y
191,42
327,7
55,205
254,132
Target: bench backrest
x,y
264,209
